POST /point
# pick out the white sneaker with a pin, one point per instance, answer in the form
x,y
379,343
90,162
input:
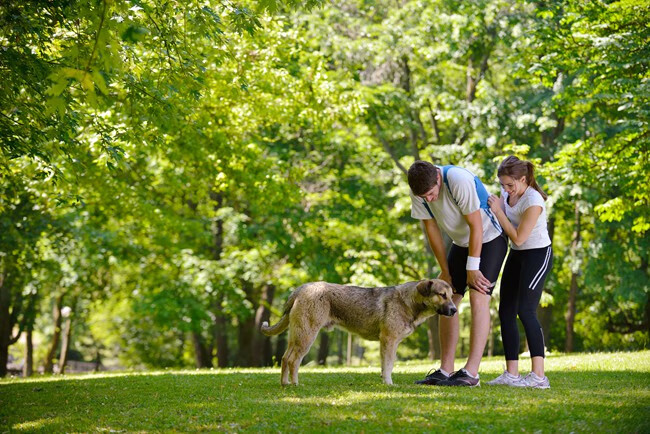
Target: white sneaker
x,y
532,380
507,379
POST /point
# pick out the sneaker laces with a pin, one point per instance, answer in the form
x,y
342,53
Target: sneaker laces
x,y
534,377
460,373
431,372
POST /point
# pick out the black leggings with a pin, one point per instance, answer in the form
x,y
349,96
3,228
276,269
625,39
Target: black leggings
x,y
521,288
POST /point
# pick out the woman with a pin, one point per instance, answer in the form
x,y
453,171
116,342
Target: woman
x,y
522,214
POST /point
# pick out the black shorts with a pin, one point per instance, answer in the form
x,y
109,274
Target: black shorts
x,y
492,255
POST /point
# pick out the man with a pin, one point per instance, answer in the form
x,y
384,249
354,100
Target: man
x,y
454,200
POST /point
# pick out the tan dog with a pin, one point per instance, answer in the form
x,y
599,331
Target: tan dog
x,y
384,314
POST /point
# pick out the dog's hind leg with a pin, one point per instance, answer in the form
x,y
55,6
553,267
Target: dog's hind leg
x,y
285,365
308,315
300,346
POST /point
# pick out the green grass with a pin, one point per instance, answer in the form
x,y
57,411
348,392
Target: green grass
x,y
589,393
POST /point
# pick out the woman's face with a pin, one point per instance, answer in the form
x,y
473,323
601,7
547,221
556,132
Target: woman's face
x,y
513,186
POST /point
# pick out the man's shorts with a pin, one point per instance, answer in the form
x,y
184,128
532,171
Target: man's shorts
x,y
492,255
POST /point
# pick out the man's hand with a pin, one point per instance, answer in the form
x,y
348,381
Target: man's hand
x,y
477,281
446,277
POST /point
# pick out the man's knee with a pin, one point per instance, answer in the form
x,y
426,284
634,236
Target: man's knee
x,y
478,299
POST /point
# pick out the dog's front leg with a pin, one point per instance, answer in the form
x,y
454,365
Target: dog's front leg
x,y
388,352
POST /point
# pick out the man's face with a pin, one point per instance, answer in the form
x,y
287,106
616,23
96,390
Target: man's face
x,y
432,194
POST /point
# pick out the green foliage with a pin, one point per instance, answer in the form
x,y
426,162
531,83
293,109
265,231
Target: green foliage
x,y
164,163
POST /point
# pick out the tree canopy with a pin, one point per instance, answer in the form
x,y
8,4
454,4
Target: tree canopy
x,y
171,171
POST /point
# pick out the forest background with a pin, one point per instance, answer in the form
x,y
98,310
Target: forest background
x,y
170,171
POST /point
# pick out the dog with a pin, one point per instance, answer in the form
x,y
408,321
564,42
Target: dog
x,y
385,314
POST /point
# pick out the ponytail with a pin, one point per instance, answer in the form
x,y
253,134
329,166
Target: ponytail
x,y
530,179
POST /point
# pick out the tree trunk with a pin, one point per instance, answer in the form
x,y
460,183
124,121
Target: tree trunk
x,y
65,344
246,339
220,321
5,325
570,314
221,338
324,348
263,352
202,354
54,344
473,81
433,336
573,290
98,359
339,347
414,117
28,367
434,123
280,347
267,352
349,352
246,333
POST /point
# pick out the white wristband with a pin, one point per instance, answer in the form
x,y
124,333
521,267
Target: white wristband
x,y
472,263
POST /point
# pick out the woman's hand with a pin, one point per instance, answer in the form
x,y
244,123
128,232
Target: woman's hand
x,y
496,203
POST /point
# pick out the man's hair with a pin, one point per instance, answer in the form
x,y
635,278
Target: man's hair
x,y
423,176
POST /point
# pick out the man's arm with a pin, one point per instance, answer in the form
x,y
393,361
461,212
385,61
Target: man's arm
x,y
475,278
438,246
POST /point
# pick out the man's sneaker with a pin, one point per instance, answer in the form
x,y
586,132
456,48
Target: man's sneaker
x,y
507,379
532,380
433,378
461,378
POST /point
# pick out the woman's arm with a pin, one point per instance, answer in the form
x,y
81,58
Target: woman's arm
x,y
520,234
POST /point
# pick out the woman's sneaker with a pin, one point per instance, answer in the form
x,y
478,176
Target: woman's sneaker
x,y
532,380
507,379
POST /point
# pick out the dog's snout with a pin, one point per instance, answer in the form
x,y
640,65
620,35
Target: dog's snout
x,y
448,309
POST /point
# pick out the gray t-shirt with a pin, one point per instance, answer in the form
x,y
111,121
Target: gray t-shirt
x,y
538,238
448,215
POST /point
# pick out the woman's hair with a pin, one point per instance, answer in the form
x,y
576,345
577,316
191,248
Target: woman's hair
x,y
516,168
422,176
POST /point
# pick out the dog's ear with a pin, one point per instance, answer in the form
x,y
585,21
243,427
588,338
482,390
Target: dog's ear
x,y
424,288
441,286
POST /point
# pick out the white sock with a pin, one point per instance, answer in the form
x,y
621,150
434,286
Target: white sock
x,y
445,373
467,372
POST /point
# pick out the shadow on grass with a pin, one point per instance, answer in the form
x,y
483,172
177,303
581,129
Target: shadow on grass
x,y
326,400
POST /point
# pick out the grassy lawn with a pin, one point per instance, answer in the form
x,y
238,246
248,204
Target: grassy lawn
x,y
589,393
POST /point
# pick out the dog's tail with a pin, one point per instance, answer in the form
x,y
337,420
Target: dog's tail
x,y
283,324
